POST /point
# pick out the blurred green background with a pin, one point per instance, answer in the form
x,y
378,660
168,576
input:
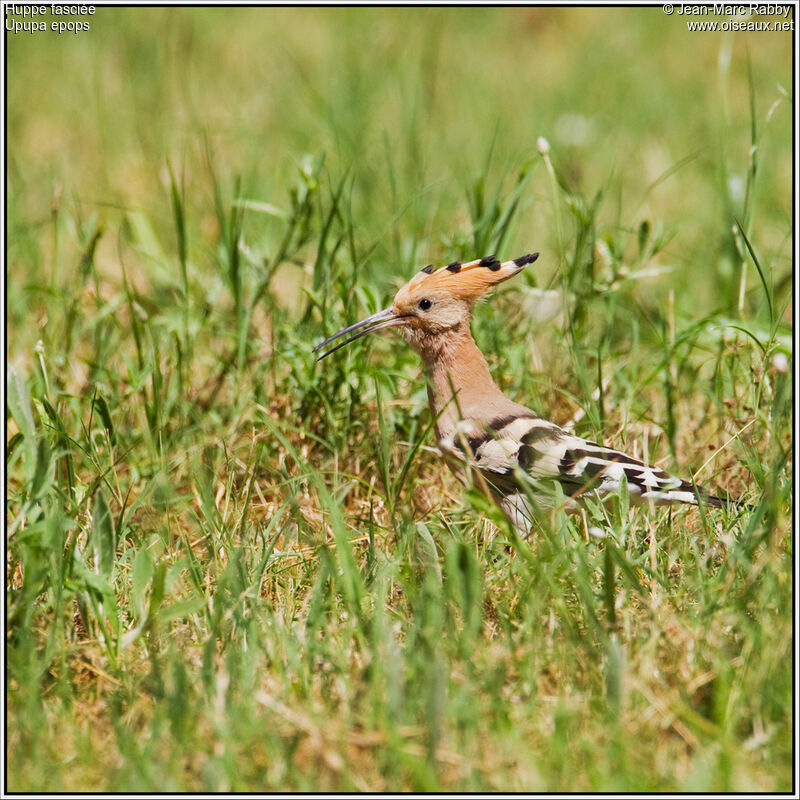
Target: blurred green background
x,y
230,568
414,103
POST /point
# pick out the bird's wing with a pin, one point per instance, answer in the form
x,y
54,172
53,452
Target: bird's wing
x,y
548,453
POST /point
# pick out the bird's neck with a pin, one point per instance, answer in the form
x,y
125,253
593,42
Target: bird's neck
x,y
459,383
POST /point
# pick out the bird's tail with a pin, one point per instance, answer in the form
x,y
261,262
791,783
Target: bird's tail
x,y
689,492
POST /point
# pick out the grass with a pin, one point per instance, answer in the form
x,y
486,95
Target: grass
x,y
230,568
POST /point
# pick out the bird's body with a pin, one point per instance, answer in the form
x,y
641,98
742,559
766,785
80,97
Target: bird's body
x,y
510,452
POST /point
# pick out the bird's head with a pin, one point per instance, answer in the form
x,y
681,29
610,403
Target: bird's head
x,y
435,301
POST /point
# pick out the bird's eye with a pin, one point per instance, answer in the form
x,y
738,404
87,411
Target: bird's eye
x,y
424,304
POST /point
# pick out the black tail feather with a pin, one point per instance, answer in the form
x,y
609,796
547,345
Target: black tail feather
x,y
713,500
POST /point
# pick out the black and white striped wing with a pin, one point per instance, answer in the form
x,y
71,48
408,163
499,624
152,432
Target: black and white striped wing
x,y
549,454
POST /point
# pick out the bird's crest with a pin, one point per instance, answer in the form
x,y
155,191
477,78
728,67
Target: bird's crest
x,y
470,280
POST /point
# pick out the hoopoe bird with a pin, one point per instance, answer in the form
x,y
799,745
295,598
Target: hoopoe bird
x,y
510,452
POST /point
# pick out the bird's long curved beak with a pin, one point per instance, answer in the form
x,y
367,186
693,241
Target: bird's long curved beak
x,y
383,319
